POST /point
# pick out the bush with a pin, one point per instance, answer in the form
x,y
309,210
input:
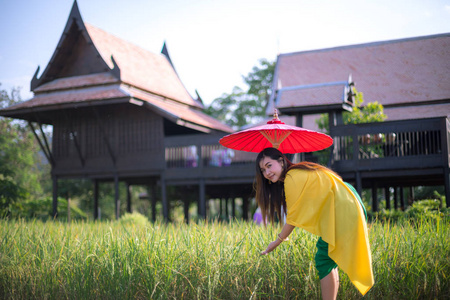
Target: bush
x,y
428,208
43,209
134,218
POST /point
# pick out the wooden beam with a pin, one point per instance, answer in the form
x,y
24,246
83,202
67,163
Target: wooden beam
x,y
46,142
46,153
75,137
43,135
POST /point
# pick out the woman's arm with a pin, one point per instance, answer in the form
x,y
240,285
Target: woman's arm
x,y
285,232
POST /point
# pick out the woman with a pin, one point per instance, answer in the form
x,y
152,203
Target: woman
x,y
317,200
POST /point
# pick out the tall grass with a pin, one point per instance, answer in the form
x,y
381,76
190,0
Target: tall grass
x,y
113,260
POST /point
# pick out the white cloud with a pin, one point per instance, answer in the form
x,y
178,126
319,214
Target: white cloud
x,y
447,8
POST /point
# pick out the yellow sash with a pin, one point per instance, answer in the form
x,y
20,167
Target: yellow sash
x,y
322,204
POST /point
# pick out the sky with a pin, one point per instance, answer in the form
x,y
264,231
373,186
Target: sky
x,y
212,43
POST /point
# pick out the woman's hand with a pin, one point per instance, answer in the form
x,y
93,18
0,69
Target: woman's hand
x,y
283,236
271,247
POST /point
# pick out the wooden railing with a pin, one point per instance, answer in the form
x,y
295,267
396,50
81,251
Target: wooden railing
x,y
391,145
202,157
362,147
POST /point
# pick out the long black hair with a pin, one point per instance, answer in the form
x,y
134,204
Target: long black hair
x,y
270,196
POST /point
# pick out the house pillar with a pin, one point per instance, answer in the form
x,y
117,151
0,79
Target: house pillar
x,y
55,196
447,186
411,195
165,205
245,202
395,197
374,197
387,195
227,213
202,199
402,199
233,207
128,198
358,183
96,215
116,195
186,207
151,192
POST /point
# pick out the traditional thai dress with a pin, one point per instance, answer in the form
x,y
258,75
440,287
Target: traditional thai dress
x,y
321,203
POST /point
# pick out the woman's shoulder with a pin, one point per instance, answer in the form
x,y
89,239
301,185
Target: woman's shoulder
x,y
294,175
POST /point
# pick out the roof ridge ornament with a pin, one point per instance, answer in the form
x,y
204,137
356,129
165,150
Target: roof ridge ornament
x,y
115,70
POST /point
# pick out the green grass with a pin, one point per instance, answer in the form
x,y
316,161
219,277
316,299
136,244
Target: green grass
x,y
116,260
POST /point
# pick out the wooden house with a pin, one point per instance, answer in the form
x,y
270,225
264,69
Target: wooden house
x,y
409,77
115,109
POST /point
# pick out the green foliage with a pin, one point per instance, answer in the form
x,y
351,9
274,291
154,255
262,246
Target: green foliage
x,y
135,219
43,209
372,112
19,159
106,260
241,107
9,193
428,208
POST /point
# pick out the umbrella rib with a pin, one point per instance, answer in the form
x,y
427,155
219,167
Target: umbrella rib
x,y
275,143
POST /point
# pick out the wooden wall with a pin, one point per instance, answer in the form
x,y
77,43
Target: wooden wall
x,y
122,138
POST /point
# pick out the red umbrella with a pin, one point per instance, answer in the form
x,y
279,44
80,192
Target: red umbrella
x,y
276,134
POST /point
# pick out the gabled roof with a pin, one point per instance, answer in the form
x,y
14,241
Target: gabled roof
x,y
92,67
129,63
394,73
112,93
316,98
139,67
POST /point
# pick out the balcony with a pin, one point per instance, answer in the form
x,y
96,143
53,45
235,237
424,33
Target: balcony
x,y
411,152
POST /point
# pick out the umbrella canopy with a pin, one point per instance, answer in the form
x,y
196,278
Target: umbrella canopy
x,y
276,134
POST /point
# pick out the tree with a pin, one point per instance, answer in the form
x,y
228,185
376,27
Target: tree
x,y
241,107
19,159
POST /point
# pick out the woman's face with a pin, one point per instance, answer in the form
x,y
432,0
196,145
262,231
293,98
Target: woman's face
x,y
271,169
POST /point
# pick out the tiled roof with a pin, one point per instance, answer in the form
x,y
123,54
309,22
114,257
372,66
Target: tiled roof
x,y
139,67
312,95
419,111
392,72
72,96
77,82
179,112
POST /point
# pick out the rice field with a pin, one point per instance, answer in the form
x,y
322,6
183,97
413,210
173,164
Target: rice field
x,y
113,260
